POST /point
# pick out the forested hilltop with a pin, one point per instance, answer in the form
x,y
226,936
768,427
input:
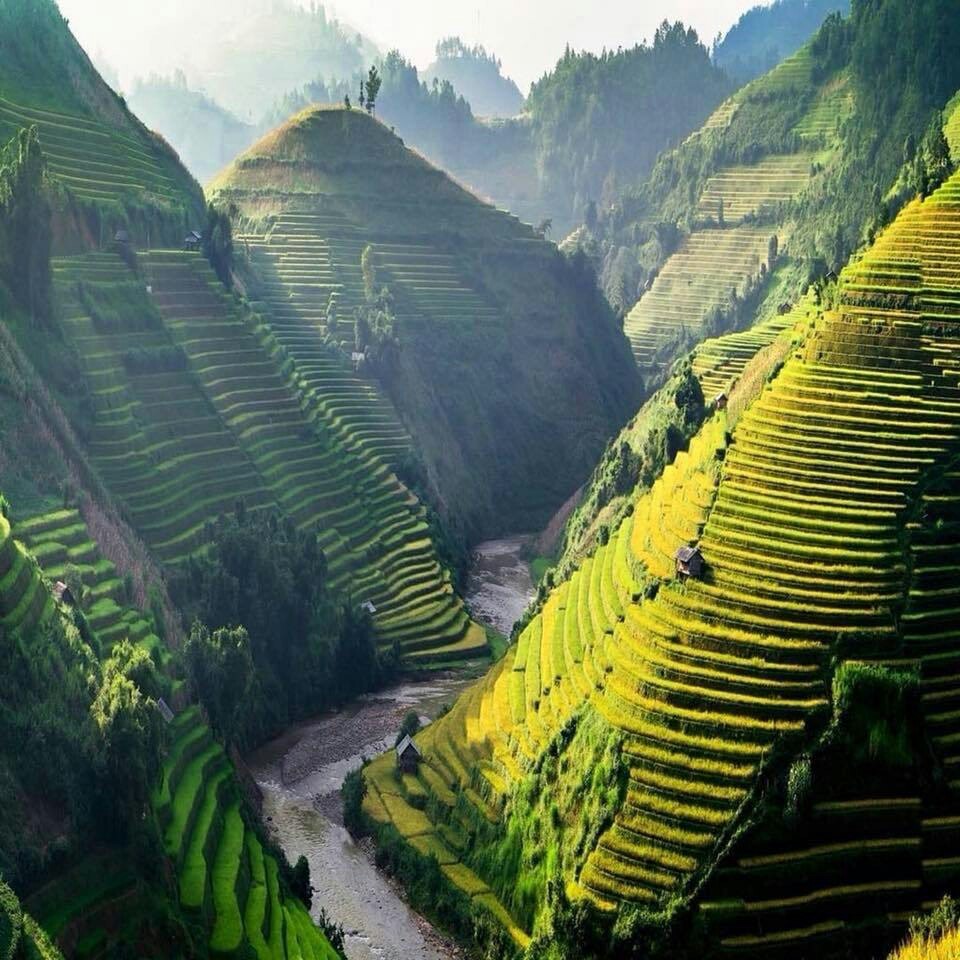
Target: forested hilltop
x,y
477,76
765,35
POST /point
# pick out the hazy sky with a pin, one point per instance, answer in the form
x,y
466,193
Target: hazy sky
x,y
138,36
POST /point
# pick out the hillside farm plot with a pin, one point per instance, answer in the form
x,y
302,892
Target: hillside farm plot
x,y
90,159
65,550
157,441
800,511
371,528
701,277
737,192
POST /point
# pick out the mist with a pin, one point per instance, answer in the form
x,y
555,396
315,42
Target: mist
x,y
139,37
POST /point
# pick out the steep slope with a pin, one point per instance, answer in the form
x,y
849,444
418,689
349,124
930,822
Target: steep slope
x,y
117,172
789,155
497,353
648,734
19,935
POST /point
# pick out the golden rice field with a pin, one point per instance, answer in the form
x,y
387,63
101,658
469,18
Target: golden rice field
x,y
800,510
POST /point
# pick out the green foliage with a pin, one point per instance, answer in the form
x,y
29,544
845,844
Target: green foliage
x,y
218,241
944,917
25,229
409,726
477,75
311,650
353,791
374,83
300,881
164,359
553,820
221,667
875,712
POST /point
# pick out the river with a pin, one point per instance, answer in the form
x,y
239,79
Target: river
x,y
301,772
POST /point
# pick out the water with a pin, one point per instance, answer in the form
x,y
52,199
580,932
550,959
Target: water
x,y
499,586
300,775
301,772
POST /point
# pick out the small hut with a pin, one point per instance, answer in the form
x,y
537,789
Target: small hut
x,y
63,594
192,240
164,710
369,607
720,401
122,237
689,562
408,755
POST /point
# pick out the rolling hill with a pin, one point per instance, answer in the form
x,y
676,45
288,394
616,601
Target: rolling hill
x,y
498,353
760,757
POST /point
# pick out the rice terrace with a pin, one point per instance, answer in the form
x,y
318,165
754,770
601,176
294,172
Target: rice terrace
x,y
479,483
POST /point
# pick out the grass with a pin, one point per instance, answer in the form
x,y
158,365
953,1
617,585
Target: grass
x,y
228,928
944,947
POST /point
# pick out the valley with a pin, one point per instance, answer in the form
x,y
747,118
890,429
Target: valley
x,y
536,547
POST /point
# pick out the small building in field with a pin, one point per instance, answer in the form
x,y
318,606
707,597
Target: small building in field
x,y
408,755
121,237
165,710
689,562
192,240
63,594
720,401
369,607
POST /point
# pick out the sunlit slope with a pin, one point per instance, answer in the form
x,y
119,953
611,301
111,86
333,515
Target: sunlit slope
x,y
740,209
805,507
224,876
500,353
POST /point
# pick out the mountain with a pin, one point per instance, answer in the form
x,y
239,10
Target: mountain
x,y
756,756
750,754
765,35
205,135
476,75
769,194
502,360
110,170
544,166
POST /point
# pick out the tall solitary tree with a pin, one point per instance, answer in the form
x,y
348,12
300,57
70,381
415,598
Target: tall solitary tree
x,y
374,82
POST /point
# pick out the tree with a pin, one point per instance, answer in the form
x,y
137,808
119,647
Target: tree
x,y
374,82
409,726
218,240
221,667
544,227
363,98
25,231
773,251
300,881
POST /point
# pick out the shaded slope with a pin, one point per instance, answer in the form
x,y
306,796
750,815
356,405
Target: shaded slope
x,y
822,505
505,353
97,151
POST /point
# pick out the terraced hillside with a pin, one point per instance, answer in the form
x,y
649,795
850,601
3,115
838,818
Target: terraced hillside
x,y
24,600
745,205
223,873
371,528
156,439
499,353
96,150
702,689
64,549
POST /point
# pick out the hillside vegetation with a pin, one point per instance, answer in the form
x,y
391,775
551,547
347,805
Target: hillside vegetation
x,y
787,157
477,76
760,759
765,35
496,351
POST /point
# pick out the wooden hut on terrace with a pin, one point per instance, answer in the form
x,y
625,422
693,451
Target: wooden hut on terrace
x,y
192,241
689,563
408,755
